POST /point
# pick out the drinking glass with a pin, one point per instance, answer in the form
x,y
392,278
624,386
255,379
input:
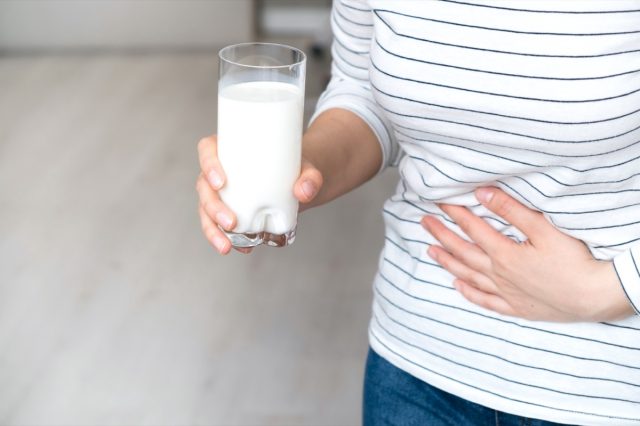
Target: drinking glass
x,y
260,110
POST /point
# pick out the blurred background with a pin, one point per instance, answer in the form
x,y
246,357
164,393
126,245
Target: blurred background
x,y
114,310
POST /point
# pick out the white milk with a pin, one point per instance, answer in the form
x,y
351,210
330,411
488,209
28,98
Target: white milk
x,y
259,143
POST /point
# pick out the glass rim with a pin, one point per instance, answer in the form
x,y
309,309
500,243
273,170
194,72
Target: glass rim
x,y
232,46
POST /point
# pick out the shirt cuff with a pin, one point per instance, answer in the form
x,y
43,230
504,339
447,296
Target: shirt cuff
x,y
627,267
369,113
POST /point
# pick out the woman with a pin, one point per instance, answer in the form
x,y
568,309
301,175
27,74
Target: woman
x,y
516,128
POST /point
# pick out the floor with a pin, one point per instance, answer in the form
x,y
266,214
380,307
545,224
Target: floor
x,y
113,308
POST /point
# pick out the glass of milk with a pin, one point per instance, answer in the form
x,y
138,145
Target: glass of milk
x,y
260,109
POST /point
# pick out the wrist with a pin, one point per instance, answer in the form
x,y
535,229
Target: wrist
x,y
310,150
610,302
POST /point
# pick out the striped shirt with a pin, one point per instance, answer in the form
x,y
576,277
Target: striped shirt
x,y
542,99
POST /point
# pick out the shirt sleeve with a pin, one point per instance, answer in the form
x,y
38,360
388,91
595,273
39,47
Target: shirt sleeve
x,y
627,267
350,88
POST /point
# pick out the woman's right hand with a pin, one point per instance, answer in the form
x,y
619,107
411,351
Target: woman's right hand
x,y
214,214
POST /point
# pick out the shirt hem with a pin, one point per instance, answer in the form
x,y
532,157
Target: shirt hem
x,y
386,351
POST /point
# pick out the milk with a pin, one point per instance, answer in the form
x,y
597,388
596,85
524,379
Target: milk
x,y
259,143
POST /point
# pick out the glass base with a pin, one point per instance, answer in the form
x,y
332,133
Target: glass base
x,y
266,238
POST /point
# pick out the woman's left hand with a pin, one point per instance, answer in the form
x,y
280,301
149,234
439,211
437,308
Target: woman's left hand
x,y
549,277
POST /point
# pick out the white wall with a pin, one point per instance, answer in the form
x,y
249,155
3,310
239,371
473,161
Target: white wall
x,y
45,24
311,18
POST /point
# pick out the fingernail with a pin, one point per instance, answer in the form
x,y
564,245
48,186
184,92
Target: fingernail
x,y
308,188
484,195
224,220
220,243
215,179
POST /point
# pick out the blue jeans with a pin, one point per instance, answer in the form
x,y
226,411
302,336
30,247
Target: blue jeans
x,y
393,397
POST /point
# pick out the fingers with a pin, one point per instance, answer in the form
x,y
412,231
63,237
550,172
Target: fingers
x,y
487,238
213,212
214,235
308,184
461,271
209,163
466,252
532,223
488,301
211,204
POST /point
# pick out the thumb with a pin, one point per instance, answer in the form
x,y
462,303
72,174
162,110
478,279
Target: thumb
x,y
309,183
531,222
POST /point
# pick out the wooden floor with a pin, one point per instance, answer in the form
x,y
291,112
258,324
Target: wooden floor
x,y
114,310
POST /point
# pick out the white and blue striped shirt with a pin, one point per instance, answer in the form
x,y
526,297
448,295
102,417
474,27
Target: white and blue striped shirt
x,y
542,99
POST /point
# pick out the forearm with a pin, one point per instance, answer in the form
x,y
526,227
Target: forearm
x,y
344,149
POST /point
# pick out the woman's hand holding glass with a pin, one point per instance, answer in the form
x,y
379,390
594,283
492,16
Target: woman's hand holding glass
x,y
214,214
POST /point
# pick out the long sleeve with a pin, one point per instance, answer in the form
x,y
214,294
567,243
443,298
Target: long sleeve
x,y
349,88
627,266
